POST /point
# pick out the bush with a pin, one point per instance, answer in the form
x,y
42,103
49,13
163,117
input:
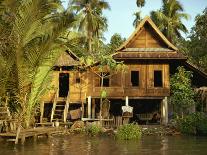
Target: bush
x,y
128,132
93,129
193,124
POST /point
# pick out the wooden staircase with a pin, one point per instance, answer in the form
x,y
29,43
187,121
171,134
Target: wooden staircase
x,y
4,111
60,108
5,116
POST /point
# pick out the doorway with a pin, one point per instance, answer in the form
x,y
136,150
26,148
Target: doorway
x,y
63,84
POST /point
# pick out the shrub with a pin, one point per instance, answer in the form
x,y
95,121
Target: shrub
x,y
195,124
128,132
93,129
186,125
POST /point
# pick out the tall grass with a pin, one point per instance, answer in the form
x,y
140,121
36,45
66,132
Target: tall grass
x,y
128,132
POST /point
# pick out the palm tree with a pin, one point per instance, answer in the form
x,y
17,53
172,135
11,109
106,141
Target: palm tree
x,y
33,35
137,18
169,19
91,21
140,4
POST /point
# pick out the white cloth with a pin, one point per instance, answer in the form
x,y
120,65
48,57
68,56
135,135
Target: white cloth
x,y
127,109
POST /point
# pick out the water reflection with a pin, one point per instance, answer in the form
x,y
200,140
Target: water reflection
x,y
82,145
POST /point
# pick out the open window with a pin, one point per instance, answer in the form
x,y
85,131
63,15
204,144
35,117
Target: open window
x,y
106,80
158,81
135,78
77,80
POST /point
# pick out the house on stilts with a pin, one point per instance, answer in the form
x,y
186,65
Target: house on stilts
x,y
150,57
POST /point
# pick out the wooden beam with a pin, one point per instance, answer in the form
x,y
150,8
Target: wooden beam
x,y
89,106
164,111
93,107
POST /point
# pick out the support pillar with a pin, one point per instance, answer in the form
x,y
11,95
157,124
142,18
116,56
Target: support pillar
x,y
93,107
42,105
164,111
127,101
89,106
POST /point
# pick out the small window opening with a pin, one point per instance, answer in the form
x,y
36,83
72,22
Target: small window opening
x,y
158,79
135,78
78,80
106,80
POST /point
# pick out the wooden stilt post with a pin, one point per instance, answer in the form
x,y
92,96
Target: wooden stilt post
x,y
164,111
89,106
41,111
17,135
127,101
23,139
93,107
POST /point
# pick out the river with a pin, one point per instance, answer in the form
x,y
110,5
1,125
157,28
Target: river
x,y
84,145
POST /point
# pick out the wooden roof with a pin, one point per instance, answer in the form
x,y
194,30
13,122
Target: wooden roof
x,y
147,41
67,59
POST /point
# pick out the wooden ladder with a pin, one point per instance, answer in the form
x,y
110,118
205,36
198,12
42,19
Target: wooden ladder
x,y
60,109
54,105
4,114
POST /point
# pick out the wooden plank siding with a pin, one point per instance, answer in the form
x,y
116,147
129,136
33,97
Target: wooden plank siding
x,y
120,84
77,90
145,39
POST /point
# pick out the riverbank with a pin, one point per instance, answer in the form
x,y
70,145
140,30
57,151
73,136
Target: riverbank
x,y
147,130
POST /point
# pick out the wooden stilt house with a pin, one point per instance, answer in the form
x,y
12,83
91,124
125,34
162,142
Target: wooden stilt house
x,y
150,58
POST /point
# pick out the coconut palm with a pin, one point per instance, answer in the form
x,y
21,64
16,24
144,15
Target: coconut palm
x,y
90,19
140,4
137,18
169,19
33,35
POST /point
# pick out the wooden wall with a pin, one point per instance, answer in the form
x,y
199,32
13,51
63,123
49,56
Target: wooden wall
x,y
146,38
77,90
120,84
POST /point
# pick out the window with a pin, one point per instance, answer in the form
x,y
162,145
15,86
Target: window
x,y
157,78
135,78
105,80
77,80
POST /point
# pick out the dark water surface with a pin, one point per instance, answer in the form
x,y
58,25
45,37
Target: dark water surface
x,y
82,145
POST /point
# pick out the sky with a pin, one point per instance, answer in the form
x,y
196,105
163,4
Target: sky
x,y
120,16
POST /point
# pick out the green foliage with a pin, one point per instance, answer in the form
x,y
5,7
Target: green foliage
x,y
182,93
90,19
128,132
93,130
103,94
193,124
115,42
140,4
33,34
137,18
197,44
169,19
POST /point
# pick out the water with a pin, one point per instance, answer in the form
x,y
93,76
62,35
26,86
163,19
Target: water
x,y
83,145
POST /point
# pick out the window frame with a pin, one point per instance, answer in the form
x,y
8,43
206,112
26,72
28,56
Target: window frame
x,y
131,84
162,79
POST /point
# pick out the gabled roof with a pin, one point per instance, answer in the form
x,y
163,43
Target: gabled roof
x,y
147,42
140,26
67,58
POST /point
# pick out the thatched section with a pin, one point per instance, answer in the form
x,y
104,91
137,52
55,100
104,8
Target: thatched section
x,y
67,59
202,93
202,97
